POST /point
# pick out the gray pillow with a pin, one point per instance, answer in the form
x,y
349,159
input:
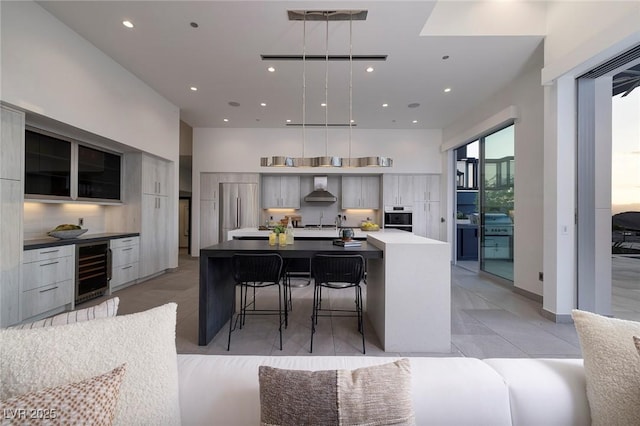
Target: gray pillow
x,y
611,367
379,395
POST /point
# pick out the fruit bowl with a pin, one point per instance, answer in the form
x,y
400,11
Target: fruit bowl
x,y
370,227
67,234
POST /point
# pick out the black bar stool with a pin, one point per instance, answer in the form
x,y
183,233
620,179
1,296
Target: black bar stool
x,y
337,272
256,271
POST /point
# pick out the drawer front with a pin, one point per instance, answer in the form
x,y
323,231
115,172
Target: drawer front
x,y
124,242
48,253
124,255
35,302
45,272
124,274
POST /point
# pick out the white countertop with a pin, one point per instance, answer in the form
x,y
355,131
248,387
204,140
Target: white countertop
x,y
315,233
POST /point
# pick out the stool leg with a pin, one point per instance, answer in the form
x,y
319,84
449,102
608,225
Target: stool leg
x,y
280,314
233,308
314,315
360,317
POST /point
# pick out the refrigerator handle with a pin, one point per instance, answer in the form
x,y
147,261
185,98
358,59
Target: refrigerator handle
x,y
237,212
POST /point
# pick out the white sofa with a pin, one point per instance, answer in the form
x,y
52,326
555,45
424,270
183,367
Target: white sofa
x,y
224,390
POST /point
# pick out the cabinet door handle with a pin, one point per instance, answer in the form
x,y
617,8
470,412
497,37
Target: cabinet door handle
x,y
127,267
50,263
127,249
126,241
49,289
50,251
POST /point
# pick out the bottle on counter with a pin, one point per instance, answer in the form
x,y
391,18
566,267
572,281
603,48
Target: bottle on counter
x,y
289,233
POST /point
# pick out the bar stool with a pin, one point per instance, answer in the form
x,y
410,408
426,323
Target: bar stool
x,y
256,271
337,272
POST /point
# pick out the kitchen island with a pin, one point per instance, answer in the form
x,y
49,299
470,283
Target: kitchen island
x,y
408,286
325,233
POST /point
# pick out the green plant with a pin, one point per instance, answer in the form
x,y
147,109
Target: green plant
x,y
278,229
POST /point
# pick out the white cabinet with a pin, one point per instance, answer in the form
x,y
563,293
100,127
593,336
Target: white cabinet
x,y
426,219
154,237
11,212
155,176
124,261
209,186
281,192
426,188
360,192
48,280
209,223
397,190
11,144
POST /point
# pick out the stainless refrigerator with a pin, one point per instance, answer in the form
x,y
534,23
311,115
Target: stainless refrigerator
x,y
238,207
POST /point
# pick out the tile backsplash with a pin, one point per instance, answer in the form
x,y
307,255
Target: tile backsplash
x,y
40,218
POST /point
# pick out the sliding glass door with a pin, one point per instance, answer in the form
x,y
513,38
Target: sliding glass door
x,y
496,203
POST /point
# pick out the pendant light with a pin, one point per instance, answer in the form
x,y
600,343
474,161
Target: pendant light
x,y
326,160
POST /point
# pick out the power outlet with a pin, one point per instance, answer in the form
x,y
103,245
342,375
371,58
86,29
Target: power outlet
x,y
540,276
81,221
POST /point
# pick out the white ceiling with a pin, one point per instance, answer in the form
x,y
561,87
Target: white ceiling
x,y
222,58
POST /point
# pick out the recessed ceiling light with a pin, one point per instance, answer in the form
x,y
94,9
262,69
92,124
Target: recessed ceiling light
x,y
226,120
194,25
127,24
370,69
353,121
385,105
271,69
233,103
323,104
414,105
414,121
445,57
288,121
194,88
263,104
447,90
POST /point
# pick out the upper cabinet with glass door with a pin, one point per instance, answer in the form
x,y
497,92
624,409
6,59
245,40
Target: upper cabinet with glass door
x,y
64,170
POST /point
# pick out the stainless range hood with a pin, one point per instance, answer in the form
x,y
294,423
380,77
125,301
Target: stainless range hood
x,y
320,193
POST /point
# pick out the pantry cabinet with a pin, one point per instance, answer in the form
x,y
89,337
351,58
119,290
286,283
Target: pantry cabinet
x,y
11,211
426,187
360,192
426,219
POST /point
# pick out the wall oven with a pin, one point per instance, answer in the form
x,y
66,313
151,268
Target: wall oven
x,y
398,217
93,270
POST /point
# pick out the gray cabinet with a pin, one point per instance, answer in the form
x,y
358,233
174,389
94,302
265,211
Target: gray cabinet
x,y
360,192
426,187
426,219
156,176
11,212
281,192
154,238
48,281
397,190
124,261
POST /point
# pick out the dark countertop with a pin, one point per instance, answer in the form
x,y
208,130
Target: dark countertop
x,y
298,249
86,238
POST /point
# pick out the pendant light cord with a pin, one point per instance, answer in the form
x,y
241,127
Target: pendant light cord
x,y
350,82
304,82
326,92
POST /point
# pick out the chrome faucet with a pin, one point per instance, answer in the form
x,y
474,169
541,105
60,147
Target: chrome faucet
x,y
321,216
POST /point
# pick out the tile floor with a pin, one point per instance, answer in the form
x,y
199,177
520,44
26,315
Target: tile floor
x,y
488,320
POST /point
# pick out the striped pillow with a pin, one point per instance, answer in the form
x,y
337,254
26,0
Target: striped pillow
x,y
108,308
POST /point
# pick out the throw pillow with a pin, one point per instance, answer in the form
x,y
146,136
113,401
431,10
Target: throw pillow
x,y
612,370
34,359
89,402
377,395
108,308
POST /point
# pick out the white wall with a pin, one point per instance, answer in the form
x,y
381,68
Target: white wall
x,y
527,95
583,34
50,70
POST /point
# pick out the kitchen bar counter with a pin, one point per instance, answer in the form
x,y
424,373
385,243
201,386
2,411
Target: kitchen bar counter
x,y
86,238
408,285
